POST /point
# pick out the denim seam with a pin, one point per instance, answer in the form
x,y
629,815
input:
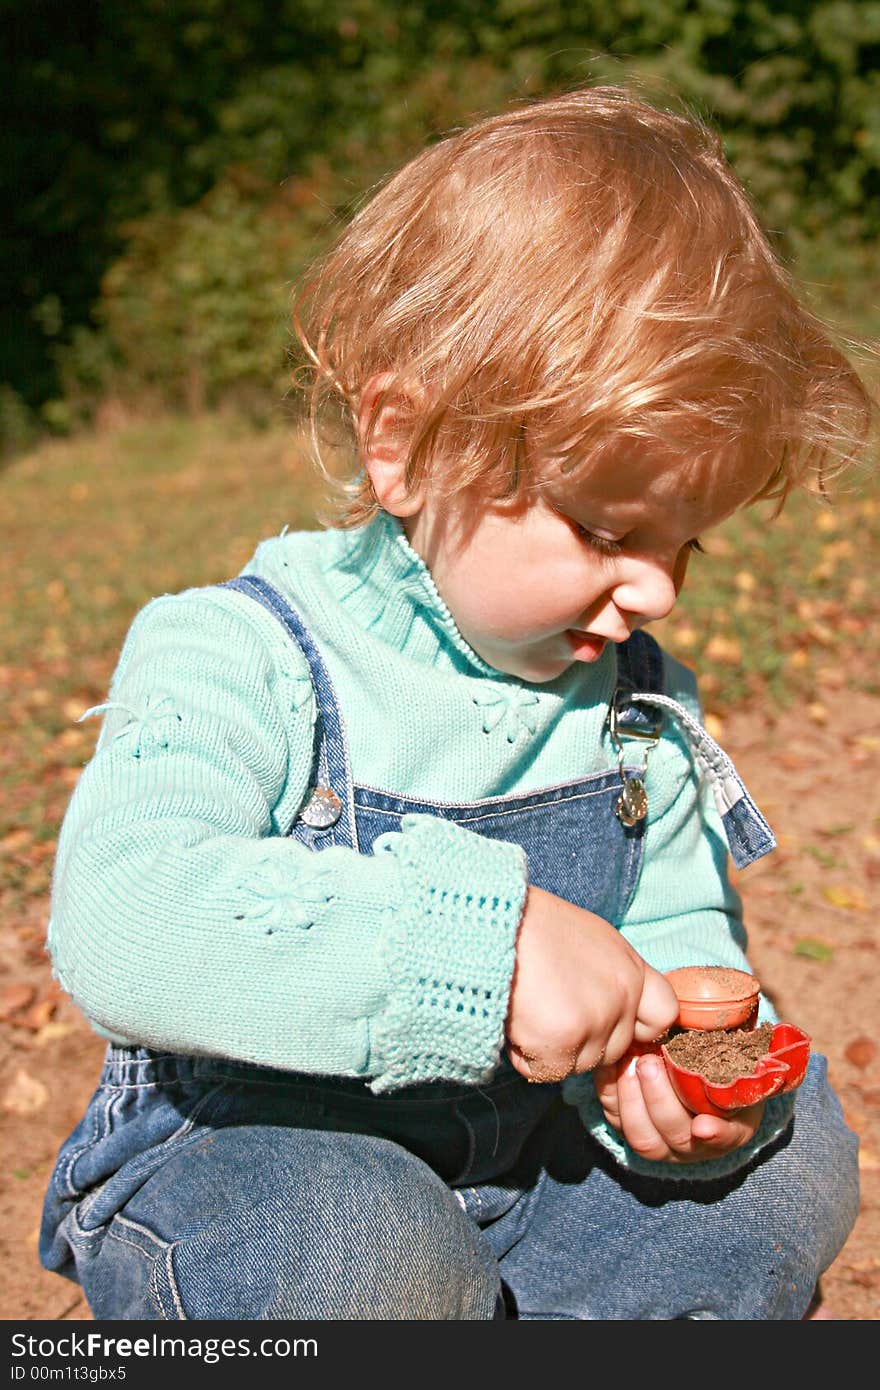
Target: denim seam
x,y
491,802
171,1280
331,750
633,871
499,814
79,1236
461,1198
183,1132
118,1086
99,1132
161,1257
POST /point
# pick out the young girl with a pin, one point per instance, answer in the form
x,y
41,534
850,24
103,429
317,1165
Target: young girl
x,y
387,843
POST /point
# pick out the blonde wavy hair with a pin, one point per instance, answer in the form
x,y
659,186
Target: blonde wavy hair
x,y
576,274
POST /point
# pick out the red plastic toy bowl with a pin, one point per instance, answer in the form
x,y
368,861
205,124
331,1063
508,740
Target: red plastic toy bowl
x,y
782,1069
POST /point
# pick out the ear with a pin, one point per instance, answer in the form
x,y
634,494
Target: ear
x,y
384,431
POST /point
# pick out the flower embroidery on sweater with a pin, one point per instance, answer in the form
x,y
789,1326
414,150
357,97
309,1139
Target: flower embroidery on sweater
x,y
278,899
514,712
146,727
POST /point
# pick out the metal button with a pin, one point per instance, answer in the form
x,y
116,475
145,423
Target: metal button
x,y
323,808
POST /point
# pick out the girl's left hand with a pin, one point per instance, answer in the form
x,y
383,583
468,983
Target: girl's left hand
x,y
638,1100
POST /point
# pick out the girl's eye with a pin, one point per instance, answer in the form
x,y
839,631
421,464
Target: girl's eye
x,y
603,544
606,546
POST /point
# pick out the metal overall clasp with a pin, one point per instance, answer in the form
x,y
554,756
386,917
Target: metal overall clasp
x,y
632,804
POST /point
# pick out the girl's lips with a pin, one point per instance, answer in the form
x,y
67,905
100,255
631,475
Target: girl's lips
x,y
584,646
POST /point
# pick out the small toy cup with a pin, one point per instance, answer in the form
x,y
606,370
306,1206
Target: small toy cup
x,y
782,1069
714,996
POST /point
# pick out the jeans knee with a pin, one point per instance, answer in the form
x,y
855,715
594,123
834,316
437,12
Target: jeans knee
x,y
362,1231
826,1165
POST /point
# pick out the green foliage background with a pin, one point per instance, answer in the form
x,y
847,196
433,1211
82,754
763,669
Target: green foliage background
x,y
174,164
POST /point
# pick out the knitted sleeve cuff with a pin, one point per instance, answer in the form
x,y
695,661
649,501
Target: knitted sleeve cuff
x,y
450,951
579,1092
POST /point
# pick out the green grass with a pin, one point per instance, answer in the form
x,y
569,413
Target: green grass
x,y
779,609
95,526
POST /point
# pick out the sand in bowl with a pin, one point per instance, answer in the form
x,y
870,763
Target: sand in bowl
x,y
718,1054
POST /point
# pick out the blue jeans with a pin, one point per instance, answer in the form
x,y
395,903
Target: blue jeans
x,y
193,1189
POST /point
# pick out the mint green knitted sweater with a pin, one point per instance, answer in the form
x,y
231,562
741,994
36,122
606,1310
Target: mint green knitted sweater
x,y
173,858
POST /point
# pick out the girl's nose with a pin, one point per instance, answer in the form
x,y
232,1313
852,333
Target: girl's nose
x,y
647,589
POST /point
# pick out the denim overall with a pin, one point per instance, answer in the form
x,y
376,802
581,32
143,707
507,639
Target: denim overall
x,y
204,1188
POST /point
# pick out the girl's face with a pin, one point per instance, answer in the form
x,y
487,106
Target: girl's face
x,y
539,584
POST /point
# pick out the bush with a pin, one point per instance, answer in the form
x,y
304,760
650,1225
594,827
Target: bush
x,y
18,425
195,310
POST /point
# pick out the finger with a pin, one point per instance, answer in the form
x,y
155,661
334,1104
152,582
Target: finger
x,y
691,1138
730,1132
519,1061
670,1119
588,1059
605,1082
635,1122
543,1067
658,1007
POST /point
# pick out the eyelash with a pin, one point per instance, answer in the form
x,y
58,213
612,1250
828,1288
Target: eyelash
x,y
609,547
600,543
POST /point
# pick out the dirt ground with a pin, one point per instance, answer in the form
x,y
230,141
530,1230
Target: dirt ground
x,y
811,912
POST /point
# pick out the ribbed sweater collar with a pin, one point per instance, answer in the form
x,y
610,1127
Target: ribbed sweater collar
x,y
387,589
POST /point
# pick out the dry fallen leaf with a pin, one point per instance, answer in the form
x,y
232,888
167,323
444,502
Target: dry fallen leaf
x,y
38,1016
50,1031
15,840
861,1051
843,896
724,649
16,997
792,762
814,948
26,1095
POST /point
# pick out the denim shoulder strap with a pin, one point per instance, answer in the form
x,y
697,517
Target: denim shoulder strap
x,y
327,816
639,704
639,668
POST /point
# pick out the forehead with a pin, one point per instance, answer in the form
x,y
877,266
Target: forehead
x,y
634,485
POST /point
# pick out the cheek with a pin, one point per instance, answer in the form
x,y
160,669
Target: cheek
x,y
498,608
523,603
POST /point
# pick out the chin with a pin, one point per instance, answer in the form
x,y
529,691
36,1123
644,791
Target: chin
x,y
536,667
538,673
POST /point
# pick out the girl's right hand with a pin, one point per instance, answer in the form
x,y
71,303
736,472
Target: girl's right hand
x,y
580,993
